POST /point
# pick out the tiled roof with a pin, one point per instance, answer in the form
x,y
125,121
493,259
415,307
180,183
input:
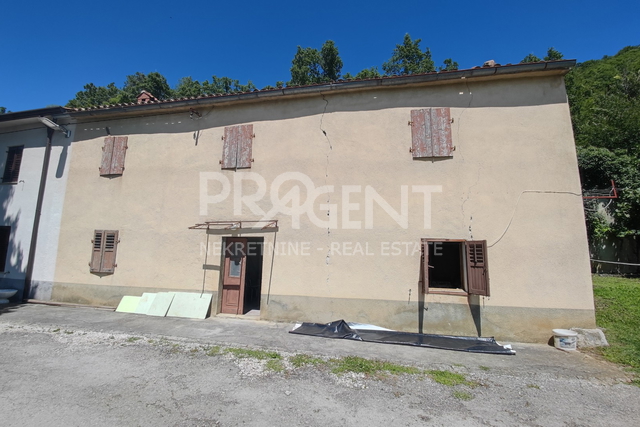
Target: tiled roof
x,y
490,68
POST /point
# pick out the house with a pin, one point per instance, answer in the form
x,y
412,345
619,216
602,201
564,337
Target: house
x,y
34,176
447,203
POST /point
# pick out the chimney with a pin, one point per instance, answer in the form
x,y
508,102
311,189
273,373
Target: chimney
x,y
145,98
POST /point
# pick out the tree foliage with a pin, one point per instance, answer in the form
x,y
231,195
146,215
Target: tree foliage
x,y
448,65
604,96
530,58
3,110
310,66
93,95
553,55
408,58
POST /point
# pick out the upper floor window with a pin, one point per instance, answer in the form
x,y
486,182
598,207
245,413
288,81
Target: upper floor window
x,y
12,167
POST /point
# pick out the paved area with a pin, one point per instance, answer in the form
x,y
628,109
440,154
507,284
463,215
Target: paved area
x,y
86,366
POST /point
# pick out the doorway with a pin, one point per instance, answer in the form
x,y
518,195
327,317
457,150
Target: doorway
x,y
242,274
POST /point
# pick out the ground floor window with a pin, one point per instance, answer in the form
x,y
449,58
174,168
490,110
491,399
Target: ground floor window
x,y
454,265
5,233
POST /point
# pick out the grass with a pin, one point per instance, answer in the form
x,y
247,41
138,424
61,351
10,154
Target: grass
x,y
254,354
617,301
212,351
369,366
300,360
133,339
449,378
274,365
485,368
462,395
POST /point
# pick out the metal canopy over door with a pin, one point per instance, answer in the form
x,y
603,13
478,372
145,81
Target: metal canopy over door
x,y
233,278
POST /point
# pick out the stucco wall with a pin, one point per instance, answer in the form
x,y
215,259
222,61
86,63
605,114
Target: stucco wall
x,y
511,136
19,203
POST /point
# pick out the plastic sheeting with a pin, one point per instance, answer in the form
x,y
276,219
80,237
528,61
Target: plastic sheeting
x,y
341,329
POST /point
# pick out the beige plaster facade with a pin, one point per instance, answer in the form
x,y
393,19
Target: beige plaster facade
x,y
512,181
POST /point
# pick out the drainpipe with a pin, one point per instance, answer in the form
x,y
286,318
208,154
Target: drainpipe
x,y
36,219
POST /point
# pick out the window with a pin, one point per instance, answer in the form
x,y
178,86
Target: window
x,y
454,265
431,133
5,233
103,257
113,153
236,150
12,167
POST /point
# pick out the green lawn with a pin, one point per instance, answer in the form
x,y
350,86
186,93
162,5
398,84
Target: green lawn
x,y
618,313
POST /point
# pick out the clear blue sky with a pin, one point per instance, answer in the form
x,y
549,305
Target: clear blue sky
x,y
51,49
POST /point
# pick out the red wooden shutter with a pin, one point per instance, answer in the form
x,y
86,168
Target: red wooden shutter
x,y
96,252
109,252
477,271
107,154
425,267
230,147
245,142
441,132
117,158
12,167
421,133
431,133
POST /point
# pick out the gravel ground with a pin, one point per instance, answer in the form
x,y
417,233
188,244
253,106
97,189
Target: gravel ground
x,y
58,377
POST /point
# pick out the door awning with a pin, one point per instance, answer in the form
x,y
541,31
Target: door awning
x,y
230,227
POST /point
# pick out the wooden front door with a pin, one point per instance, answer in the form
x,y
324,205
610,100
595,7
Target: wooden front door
x,y
235,260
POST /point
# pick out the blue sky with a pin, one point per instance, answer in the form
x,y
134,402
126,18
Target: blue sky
x,y
50,50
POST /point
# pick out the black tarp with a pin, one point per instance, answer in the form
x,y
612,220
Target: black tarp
x,y
340,329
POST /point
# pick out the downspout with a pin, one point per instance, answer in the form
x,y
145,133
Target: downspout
x,y
36,219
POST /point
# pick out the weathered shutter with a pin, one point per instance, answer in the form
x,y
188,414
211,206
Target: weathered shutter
x,y
477,271
431,133
117,158
230,147
96,252
107,155
441,132
5,234
109,252
421,133
12,168
245,142
424,273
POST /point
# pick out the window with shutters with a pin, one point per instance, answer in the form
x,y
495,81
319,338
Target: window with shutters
x,y
103,256
113,153
457,266
12,166
5,234
431,133
237,147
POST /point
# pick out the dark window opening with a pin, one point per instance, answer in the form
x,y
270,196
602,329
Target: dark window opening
x,y
445,265
5,234
12,167
253,274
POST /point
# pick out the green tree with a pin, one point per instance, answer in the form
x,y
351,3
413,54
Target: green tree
x,y
154,83
330,61
187,88
311,66
408,58
553,55
3,110
225,85
305,67
530,58
448,65
92,96
604,97
368,73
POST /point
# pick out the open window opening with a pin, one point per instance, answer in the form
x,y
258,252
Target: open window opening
x,y
446,265
454,266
